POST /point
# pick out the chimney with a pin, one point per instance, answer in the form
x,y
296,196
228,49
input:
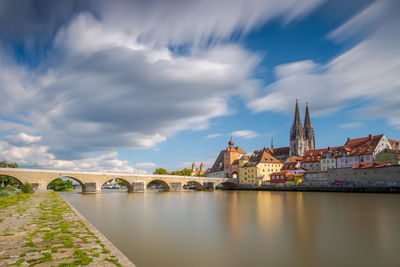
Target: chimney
x,y
329,148
370,137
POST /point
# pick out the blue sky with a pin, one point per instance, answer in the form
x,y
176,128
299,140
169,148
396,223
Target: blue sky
x,y
87,85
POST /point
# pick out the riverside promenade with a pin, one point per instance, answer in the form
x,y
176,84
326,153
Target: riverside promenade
x,y
44,230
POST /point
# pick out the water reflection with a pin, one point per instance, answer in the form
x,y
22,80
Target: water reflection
x,y
236,228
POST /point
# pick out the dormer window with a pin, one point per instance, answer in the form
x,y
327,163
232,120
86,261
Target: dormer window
x,y
369,149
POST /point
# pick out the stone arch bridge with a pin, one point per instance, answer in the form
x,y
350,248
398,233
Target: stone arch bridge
x,y
92,182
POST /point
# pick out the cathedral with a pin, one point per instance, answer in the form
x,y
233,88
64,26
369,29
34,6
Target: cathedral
x,y
301,136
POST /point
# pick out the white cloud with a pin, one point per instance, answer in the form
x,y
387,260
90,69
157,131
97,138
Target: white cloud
x,y
351,125
114,79
245,134
26,150
146,165
211,136
368,71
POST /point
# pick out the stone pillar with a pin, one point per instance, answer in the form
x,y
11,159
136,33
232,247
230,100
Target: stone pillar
x,y
209,185
138,187
175,186
91,187
36,186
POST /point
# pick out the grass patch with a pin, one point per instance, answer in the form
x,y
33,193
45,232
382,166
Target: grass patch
x,y
6,234
82,257
29,243
17,263
12,200
115,261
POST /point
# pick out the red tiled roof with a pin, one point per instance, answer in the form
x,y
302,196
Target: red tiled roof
x,y
291,166
371,140
279,151
372,165
295,159
261,156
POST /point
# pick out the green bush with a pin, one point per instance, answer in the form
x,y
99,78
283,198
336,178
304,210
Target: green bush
x,y
9,191
60,185
27,188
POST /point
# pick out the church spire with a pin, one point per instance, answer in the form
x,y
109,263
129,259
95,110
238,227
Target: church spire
x,y
307,121
297,135
297,114
309,130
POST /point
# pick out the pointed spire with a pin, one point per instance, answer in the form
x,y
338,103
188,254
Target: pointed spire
x,y
272,142
297,113
231,143
307,121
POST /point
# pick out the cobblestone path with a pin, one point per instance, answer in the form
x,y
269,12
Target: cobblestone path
x,y
44,231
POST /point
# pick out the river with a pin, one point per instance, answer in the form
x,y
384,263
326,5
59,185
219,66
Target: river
x,y
247,228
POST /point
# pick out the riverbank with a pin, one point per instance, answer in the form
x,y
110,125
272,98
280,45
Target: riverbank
x,y
349,189
43,230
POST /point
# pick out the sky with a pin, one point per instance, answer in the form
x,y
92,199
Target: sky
x,y
132,86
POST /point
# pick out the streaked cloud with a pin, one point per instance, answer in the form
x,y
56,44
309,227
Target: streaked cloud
x,y
367,71
146,165
245,134
351,125
211,136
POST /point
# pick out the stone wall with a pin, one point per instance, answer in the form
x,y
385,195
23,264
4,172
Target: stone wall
x,y
138,187
319,178
175,186
385,176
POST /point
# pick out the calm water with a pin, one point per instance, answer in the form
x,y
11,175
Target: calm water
x,y
238,228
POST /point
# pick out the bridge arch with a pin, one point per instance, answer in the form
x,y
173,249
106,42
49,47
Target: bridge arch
x,y
20,181
69,177
127,183
235,175
226,185
196,183
166,185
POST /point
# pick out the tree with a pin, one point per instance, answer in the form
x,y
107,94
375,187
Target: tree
x,y
7,180
60,185
160,171
120,182
27,188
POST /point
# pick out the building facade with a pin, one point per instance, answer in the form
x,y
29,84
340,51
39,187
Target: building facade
x,y
388,155
361,150
301,136
259,167
227,165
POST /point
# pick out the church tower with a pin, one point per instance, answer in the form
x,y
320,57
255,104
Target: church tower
x,y
309,131
298,143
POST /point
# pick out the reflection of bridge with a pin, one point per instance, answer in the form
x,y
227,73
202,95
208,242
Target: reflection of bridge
x,y
92,181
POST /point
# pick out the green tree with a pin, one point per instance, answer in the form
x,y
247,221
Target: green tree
x,y
27,188
160,171
6,181
120,182
60,185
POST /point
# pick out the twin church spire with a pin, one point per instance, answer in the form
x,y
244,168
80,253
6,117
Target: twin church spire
x,y
301,136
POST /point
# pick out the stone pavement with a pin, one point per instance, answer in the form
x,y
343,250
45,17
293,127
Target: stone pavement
x,y
45,231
